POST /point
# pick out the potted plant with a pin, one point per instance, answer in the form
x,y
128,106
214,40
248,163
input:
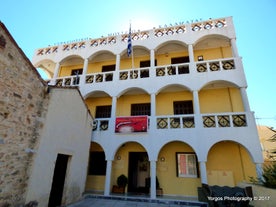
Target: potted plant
x,y
122,181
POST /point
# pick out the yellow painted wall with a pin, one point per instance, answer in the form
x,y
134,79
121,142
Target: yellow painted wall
x,y
164,101
66,70
214,53
93,102
96,67
220,100
126,63
165,59
125,101
166,171
230,156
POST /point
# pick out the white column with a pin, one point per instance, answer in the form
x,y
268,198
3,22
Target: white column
x,y
152,111
198,120
113,113
191,53
196,102
244,99
153,179
117,68
259,171
114,106
234,48
107,177
84,71
118,60
203,172
56,72
152,62
152,58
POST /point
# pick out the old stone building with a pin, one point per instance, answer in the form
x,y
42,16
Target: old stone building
x,y
23,107
30,142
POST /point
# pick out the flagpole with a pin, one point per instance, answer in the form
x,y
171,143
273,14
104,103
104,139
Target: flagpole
x,y
132,58
129,46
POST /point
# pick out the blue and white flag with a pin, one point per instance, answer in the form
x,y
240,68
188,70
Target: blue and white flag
x,y
129,44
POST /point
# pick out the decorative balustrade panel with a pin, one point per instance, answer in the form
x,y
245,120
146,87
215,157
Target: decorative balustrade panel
x,y
135,35
100,125
99,77
175,122
224,120
169,70
68,81
134,74
207,25
218,65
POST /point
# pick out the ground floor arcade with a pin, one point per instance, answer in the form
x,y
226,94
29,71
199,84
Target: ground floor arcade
x,y
177,168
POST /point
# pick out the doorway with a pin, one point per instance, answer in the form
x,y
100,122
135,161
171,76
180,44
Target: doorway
x,y
138,171
55,198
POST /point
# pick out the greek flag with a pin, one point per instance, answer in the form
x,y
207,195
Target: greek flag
x,y
129,45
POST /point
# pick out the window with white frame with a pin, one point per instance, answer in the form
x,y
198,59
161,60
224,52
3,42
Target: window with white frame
x,y
186,165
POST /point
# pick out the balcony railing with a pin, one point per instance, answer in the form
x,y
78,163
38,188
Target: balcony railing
x,y
175,122
98,77
175,69
101,124
68,81
159,71
224,120
134,74
186,121
215,65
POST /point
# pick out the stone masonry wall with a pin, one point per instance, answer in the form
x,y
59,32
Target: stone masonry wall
x,y
23,107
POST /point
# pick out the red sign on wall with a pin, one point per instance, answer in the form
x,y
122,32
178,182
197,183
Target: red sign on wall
x,y
131,124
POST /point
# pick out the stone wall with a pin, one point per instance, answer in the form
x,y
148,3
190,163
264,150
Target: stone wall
x,y
23,107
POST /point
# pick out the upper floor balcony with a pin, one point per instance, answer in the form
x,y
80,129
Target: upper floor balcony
x,y
191,74
223,125
189,49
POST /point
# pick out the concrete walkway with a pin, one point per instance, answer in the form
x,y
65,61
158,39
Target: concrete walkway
x,y
111,201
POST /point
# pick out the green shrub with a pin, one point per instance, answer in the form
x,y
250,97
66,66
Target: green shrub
x,y
269,175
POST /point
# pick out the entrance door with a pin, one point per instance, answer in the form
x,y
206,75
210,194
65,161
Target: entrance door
x,y
55,198
138,171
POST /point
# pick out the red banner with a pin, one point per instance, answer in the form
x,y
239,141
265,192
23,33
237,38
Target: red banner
x,y
131,124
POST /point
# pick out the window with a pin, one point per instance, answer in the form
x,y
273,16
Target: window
x,y
76,71
97,163
183,69
186,165
103,111
107,68
140,109
183,107
146,63
178,60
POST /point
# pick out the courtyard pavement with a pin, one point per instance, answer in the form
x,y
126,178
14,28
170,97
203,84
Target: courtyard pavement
x,y
115,201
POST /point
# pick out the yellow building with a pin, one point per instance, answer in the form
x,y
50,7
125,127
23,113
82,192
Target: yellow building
x,y
176,108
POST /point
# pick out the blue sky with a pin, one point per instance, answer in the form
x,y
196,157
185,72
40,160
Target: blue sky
x,y
37,23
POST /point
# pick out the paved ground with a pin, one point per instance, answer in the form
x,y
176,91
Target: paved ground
x,y
95,202
115,202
